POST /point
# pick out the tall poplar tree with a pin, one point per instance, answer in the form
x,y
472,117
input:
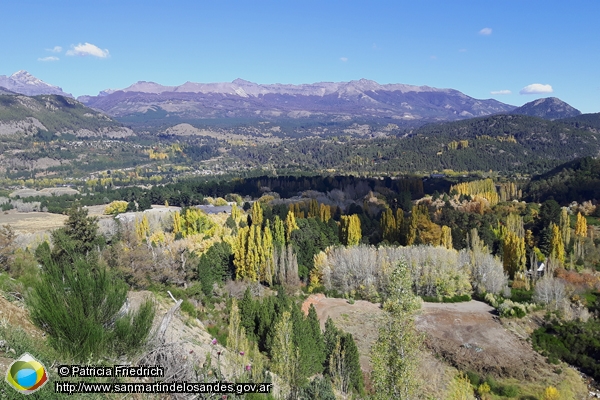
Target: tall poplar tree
x,y
581,226
350,231
290,225
394,355
565,227
514,256
557,247
257,214
447,237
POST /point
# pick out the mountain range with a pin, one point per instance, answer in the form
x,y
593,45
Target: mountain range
x,y
336,102
243,102
23,82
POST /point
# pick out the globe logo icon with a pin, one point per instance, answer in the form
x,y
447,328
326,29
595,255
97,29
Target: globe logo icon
x,y
26,375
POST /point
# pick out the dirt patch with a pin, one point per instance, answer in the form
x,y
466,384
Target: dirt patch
x,y
14,314
470,337
360,319
466,336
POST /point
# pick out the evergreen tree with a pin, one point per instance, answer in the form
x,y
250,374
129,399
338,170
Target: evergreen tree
x,y
313,332
214,266
77,301
248,309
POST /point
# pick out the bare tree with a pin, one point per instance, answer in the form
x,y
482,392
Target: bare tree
x,y
550,291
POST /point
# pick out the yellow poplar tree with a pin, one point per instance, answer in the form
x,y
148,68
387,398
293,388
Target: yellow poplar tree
x,y
581,226
142,227
266,259
236,214
257,214
278,232
388,227
290,225
557,247
239,254
350,231
565,226
447,237
324,212
513,253
177,222
313,209
316,274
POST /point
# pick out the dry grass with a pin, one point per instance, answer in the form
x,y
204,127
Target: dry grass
x,y
32,222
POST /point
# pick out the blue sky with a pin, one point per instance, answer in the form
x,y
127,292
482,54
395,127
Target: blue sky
x,y
482,48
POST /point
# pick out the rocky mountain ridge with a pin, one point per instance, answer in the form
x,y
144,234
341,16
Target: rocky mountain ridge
x,y
548,108
331,101
24,83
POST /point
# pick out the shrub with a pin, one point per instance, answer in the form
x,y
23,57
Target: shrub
x,y
78,304
508,391
132,330
474,378
116,207
189,308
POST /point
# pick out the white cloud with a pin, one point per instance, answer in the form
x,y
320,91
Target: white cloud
x,y
51,58
344,59
536,88
87,49
485,31
55,49
500,92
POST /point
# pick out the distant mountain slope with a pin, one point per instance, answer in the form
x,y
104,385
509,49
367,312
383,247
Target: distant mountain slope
x,y
504,143
6,91
24,83
341,101
549,108
577,180
54,114
584,121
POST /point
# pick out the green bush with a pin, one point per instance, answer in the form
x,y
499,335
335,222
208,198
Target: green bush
x,y
189,309
508,391
132,330
77,305
474,378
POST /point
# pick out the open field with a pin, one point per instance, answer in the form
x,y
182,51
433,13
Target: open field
x,y
31,222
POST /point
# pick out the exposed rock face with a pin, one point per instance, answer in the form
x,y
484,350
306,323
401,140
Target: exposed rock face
x,y
548,108
24,83
329,100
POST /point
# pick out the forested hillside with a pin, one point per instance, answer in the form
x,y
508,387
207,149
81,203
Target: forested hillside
x,y
505,143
